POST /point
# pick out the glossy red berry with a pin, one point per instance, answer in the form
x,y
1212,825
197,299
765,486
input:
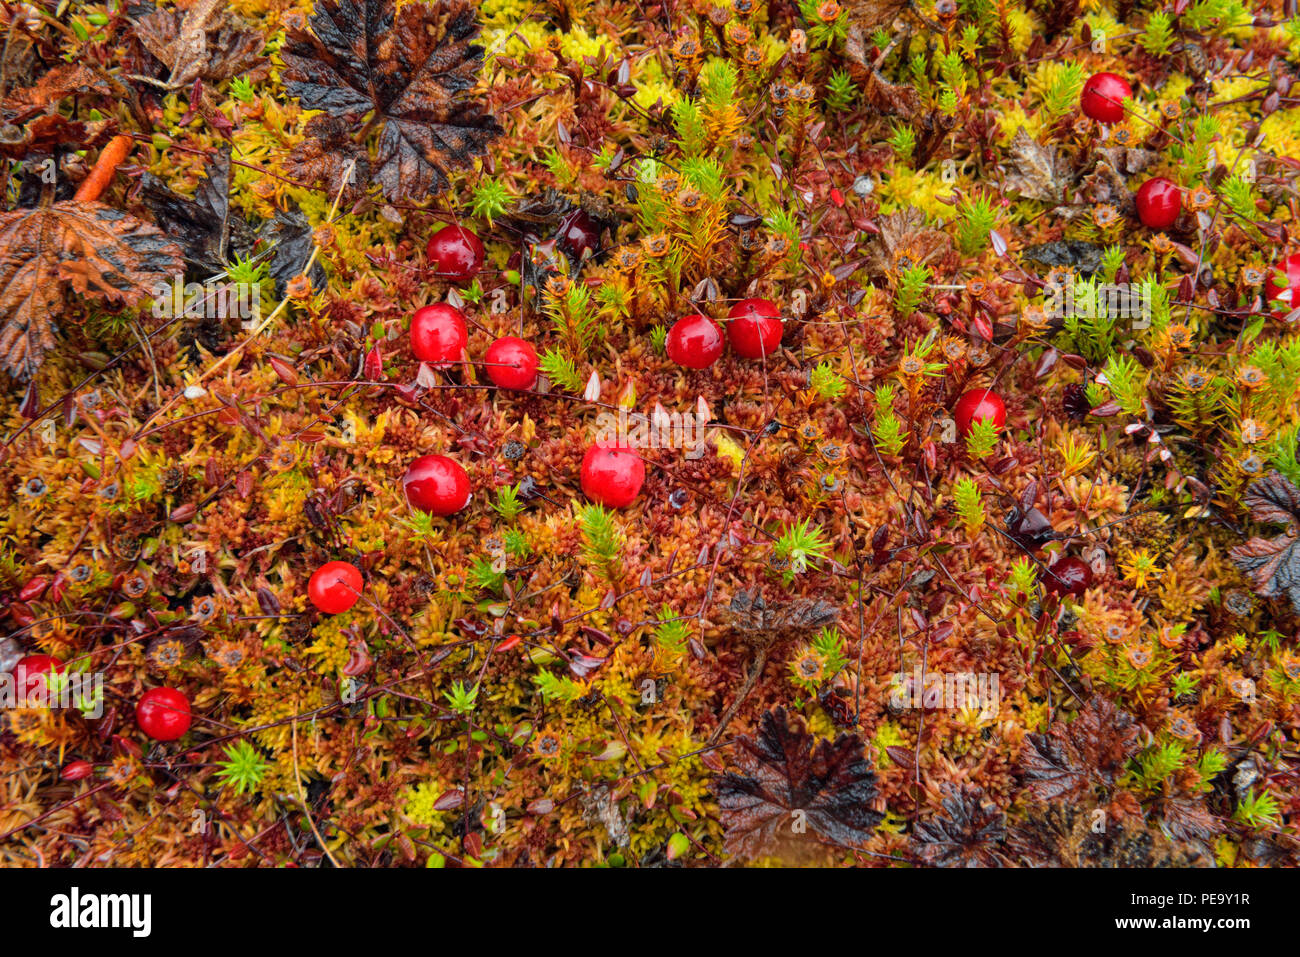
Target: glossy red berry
x,y
979,405
436,484
439,334
579,235
1103,97
612,474
31,672
1159,201
1288,294
512,363
455,253
694,342
163,714
335,587
1069,576
754,328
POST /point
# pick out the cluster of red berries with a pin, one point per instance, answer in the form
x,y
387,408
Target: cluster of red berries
x,y
754,329
440,334
1159,200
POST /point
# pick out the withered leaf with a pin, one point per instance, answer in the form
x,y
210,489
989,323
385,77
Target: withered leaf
x,y
891,99
1273,563
1104,185
1072,253
1128,159
1070,758
291,235
864,17
210,232
47,134
966,834
904,240
200,43
1063,835
61,81
93,249
1038,172
750,611
784,770
412,69
323,156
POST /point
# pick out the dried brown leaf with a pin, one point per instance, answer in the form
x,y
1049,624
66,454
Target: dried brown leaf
x,y
784,771
61,81
411,70
322,158
1273,563
966,834
1038,172
1070,759
201,43
93,249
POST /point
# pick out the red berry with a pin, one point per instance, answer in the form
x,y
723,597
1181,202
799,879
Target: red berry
x,y
1289,294
335,587
1069,576
1159,201
455,253
837,197
754,328
436,484
1103,97
31,672
612,474
438,334
979,405
579,235
694,342
163,714
512,363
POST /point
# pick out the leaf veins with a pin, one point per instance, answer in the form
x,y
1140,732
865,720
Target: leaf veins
x,y
1273,563
94,249
1092,749
965,835
1039,172
409,70
784,770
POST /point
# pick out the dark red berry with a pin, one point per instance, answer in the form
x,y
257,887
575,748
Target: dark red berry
x,y
1069,576
979,405
438,334
512,363
455,253
76,770
334,587
163,714
754,328
579,235
1103,97
1288,294
612,474
694,342
1159,201
31,673
436,484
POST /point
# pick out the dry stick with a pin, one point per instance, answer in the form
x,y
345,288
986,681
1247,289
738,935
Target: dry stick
x,y
110,158
302,796
760,664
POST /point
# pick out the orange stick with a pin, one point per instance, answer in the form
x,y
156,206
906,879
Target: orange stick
x,y
110,158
